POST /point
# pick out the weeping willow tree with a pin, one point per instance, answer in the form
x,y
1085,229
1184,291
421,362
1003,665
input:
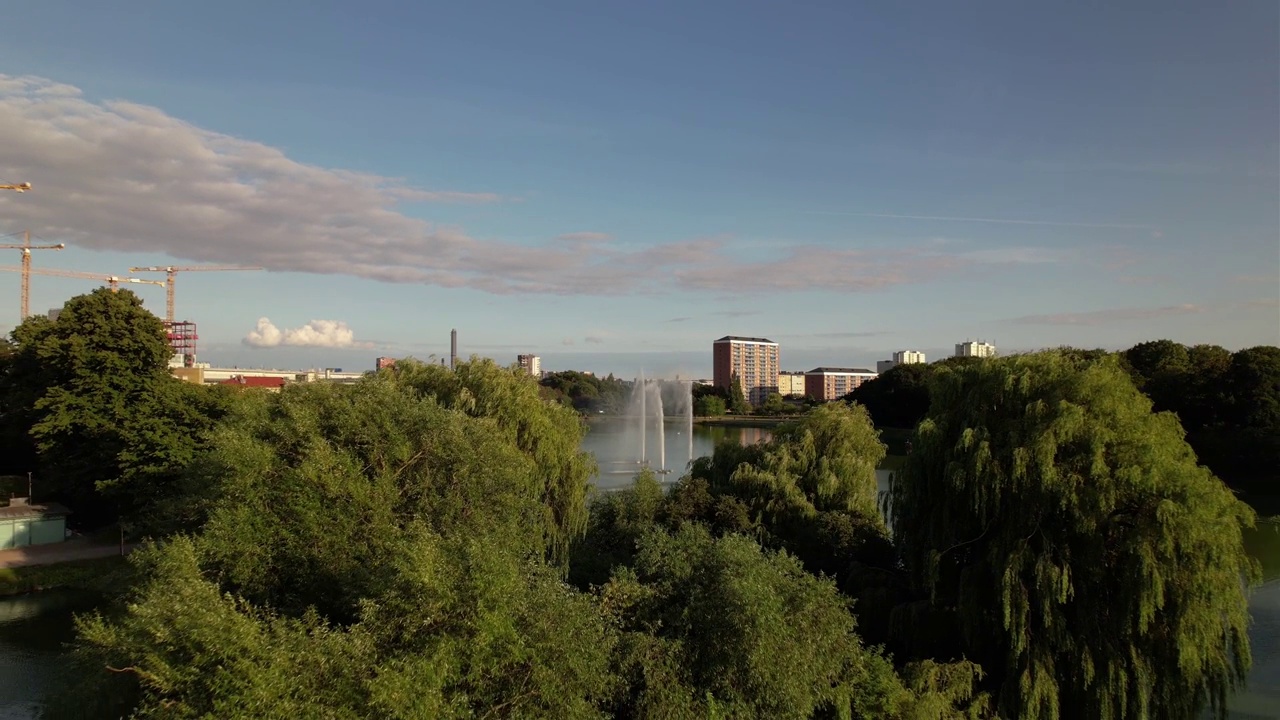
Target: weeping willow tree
x,y
1094,569
548,433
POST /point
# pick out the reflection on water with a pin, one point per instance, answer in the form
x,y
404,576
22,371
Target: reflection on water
x,y
33,629
1261,698
616,446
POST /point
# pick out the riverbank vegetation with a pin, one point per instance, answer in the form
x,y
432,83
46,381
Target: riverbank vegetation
x,y
425,543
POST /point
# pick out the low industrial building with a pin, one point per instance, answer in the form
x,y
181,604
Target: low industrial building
x,y
830,383
23,524
270,384
218,376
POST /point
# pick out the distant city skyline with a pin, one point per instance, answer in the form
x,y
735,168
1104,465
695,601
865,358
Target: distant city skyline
x,y
612,189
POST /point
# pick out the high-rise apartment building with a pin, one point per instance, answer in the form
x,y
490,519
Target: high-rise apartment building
x,y
531,364
975,348
829,383
902,357
753,360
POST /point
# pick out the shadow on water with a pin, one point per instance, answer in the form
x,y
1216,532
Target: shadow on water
x,y
33,632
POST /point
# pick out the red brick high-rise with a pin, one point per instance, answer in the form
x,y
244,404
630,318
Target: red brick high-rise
x,y
753,360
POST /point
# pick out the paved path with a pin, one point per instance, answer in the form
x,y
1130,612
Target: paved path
x,y
58,553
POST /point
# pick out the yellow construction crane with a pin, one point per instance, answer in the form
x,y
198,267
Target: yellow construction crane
x,y
171,274
20,187
112,281
26,247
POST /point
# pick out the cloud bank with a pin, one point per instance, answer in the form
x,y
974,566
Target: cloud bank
x,y
317,333
1102,317
119,176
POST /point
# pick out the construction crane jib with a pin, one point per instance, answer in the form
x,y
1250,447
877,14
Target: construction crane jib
x,y
26,247
112,281
171,273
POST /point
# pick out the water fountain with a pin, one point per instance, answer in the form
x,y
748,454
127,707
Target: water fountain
x,y
647,407
688,415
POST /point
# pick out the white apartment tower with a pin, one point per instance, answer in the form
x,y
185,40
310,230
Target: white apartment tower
x,y
975,348
531,364
901,357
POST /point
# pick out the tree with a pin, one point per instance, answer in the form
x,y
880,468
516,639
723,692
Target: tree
x,y
548,434
1156,360
709,406
93,391
588,393
773,405
717,628
1252,405
898,397
737,400
373,550
1092,567
701,391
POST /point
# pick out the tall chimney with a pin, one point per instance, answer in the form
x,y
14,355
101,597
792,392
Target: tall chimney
x,y
453,348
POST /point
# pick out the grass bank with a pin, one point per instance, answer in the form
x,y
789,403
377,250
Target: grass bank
x,y
99,574
747,421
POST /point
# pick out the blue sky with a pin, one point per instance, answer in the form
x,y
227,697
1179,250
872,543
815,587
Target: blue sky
x,y
615,185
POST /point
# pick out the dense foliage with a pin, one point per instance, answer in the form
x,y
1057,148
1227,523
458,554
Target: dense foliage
x,y
709,406
89,402
423,543
1091,565
737,399
1228,403
587,393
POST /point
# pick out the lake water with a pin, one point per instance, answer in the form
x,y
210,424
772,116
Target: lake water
x,y
616,445
33,628
33,631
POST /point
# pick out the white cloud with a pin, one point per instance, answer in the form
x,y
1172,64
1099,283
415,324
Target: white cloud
x,y
115,175
317,333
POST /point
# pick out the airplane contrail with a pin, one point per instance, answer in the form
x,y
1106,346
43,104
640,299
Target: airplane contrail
x,y
996,221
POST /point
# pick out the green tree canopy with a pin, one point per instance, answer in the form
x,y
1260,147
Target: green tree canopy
x,y
548,434
587,392
896,398
737,399
112,428
371,550
718,628
1092,566
709,406
773,405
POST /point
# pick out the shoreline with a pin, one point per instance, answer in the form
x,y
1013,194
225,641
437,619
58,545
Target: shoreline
x,y
98,574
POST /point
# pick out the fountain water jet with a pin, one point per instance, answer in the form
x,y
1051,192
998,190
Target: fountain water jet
x,y
647,405
640,390
662,429
688,415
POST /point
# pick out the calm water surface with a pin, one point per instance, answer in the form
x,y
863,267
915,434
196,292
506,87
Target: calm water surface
x,y
33,628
